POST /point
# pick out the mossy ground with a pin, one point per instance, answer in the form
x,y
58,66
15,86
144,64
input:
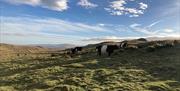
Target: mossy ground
x,y
131,70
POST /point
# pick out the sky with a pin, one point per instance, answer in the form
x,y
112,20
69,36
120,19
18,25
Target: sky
x,y
82,22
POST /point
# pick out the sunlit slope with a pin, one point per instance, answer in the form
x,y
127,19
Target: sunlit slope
x,y
129,70
9,51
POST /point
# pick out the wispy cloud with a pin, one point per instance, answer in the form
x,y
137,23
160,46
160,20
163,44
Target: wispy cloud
x,y
50,24
154,23
51,30
54,29
57,5
149,32
103,38
87,4
110,38
146,29
168,30
118,8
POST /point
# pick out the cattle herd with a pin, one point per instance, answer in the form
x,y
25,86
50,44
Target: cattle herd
x,y
108,49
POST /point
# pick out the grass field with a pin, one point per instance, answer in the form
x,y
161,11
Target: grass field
x,y
131,70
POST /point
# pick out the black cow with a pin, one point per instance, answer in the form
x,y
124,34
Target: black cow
x,y
110,48
106,49
123,45
98,48
76,49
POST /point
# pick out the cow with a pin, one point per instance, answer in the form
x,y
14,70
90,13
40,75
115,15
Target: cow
x,y
76,49
109,49
123,45
98,48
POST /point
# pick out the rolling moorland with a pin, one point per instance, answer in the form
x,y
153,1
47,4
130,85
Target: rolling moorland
x,y
134,69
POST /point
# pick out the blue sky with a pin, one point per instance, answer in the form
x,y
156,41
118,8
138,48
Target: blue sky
x,y
86,21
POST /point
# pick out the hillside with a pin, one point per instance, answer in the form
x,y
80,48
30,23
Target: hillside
x,y
55,46
128,70
8,51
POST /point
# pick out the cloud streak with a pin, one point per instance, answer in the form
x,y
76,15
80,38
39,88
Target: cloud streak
x,y
146,29
154,23
52,30
48,27
108,38
57,5
52,24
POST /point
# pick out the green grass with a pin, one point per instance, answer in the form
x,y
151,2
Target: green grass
x,y
131,70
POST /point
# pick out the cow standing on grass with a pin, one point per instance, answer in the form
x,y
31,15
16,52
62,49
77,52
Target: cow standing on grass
x,y
123,45
109,49
76,50
98,48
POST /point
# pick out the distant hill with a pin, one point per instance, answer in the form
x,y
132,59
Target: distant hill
x,y
8,50
98,40
21,48
55,46
162,38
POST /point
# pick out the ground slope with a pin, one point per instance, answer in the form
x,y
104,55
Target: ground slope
x,y
131,70
8,51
